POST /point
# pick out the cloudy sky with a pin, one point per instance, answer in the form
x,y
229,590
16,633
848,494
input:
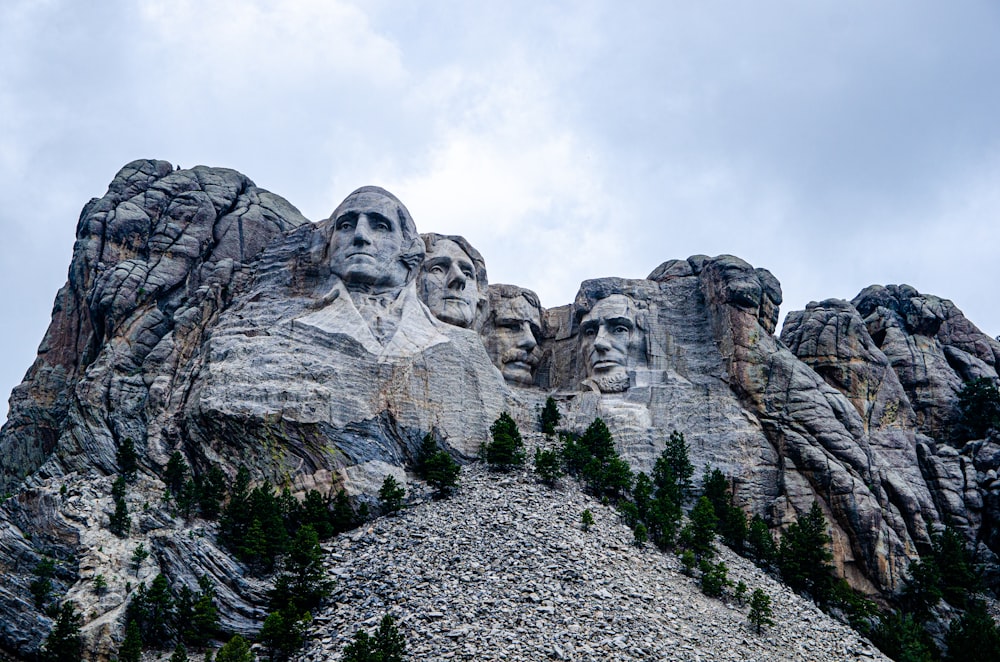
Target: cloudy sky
x,y
838,143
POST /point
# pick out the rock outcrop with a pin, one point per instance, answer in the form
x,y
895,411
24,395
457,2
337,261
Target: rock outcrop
x,y
206,316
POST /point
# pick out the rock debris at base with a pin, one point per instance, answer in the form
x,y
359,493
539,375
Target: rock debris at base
x,y
503,571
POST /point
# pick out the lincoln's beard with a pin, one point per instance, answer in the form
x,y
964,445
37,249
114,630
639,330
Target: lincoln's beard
x,y
616,382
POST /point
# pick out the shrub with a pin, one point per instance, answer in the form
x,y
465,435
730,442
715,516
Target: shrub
x,y
131,648
974,637
180,653
284,632
900,637
550,416
41,586
506,451
587,519
391,494
760,614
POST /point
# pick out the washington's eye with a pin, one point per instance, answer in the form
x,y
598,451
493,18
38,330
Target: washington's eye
x,y
383,225
468,274
436,269
345,224
622,329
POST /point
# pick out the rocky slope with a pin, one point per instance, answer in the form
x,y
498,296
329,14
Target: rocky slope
x,y
203,315
504,571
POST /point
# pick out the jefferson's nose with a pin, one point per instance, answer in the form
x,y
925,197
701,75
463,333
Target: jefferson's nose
x,y
456,279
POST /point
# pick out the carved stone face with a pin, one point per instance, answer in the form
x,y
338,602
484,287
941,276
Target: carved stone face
x,y
608,336
516,323
448,284
367,243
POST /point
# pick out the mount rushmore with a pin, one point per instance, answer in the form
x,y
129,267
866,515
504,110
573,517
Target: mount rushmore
x,y
207,316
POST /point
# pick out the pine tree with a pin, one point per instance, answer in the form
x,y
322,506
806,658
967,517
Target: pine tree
x,y
64,643
180,653
804,556
315,511
587,519
550,416
236,649
387,645
506,451
152,611
760,615
974,637
175,472
131,648
676,456
127,459
303,583
901,638
760,543
700,530
391,494
283,633
979,405
427,450
442,473
41,586
211,490
548,466
120,523
640,534
714,578
205,616
642,495
598,442
342,517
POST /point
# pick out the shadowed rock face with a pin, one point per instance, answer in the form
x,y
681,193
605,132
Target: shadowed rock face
x,y
207,316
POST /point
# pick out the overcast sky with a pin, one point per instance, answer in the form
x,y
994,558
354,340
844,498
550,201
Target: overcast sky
x,y
838,144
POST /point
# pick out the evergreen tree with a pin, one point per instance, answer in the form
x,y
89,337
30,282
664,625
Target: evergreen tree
x,y
41,585
175,472
598,442
64,643
211,490
236,649
732,527
760,615
675,455
664,517
956,565
315,511
152,611
139,555
548,466
714,578
118,488
131,648
387,645
425,453
303,583
120,523
284,633
617,477
187,498
180,653
640,534
760,543
391,494
700,530
979,404
901,638
642,495
550,416
506,451
974,637
922,590
587,519
804,556
442,473
235,518
342,516
127,459
205,616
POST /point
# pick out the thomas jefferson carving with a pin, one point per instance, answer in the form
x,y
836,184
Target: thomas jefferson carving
x,y
452,281
512,331
610,337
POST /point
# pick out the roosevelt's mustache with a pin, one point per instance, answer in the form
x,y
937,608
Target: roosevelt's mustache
x,y
512,355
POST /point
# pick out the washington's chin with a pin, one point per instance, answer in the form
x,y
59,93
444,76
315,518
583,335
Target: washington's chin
x,y
518,371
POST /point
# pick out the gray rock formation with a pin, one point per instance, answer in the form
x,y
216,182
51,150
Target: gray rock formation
x,y
205,316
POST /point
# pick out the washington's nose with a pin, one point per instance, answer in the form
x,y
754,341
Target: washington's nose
x,y
456,279
362,231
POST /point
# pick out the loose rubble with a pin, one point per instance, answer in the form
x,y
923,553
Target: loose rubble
x,y
503,571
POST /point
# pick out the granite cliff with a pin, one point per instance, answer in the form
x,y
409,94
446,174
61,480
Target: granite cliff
x,y
206,316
